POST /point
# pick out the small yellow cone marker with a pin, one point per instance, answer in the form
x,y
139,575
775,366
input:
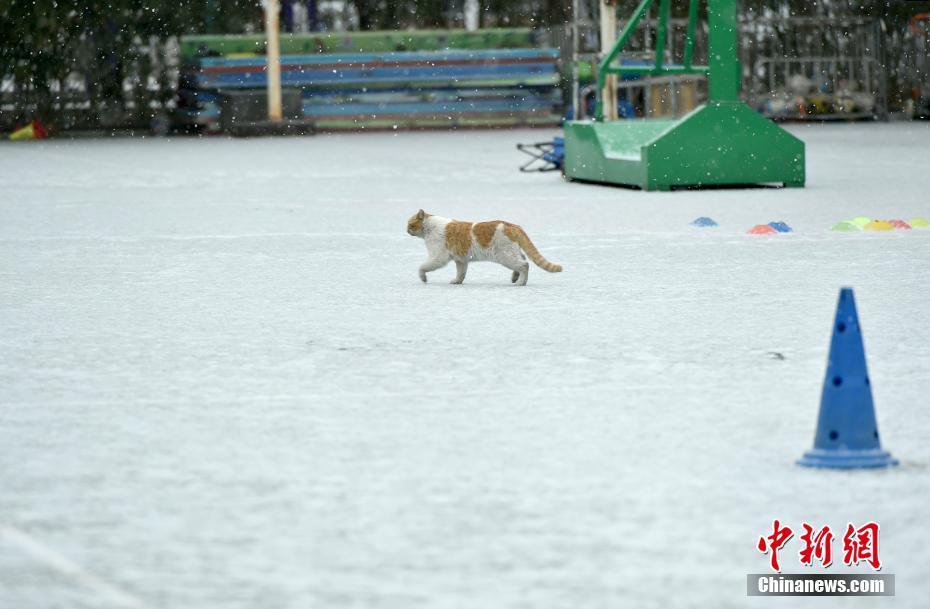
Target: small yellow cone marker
x,y
878,225
25,133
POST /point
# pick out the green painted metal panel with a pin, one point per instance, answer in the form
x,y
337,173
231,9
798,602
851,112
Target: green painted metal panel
x,y
585,157
716,144
724,143
626,139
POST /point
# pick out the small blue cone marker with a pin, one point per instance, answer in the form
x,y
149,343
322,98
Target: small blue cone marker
x,y
847,433
704,221
781,227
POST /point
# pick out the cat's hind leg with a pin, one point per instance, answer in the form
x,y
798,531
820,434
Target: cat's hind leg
x,y
520,267
461,267
431,265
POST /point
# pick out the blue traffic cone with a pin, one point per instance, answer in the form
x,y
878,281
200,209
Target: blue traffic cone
x,y
847,433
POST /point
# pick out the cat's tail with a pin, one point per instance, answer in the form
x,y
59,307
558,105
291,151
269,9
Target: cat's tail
x,y
519,236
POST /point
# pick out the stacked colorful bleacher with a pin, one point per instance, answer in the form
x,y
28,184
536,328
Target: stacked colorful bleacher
x,y
385,80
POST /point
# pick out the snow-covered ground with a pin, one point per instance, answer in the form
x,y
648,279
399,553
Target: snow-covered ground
x,y
222,384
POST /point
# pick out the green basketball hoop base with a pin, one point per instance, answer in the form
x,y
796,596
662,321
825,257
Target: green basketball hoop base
x,y
719,143
724,142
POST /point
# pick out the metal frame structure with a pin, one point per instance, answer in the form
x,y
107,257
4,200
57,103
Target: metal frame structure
x,y
722,142
845,61
606,66
644,87
841,60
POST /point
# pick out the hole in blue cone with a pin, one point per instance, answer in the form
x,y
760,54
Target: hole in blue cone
x,y
834,435
875,434
841,327
867,381
837,381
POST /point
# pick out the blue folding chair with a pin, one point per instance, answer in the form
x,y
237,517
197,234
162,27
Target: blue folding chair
x,y
546,156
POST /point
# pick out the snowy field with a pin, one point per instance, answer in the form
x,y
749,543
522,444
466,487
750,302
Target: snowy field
x,y
222,384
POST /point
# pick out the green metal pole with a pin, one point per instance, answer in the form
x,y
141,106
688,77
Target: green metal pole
x,y
603,65
661,32
689,38
723,52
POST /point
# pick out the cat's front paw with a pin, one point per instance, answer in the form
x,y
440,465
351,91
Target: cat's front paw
x,y
423,276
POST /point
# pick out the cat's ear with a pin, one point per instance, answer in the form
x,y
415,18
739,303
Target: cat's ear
x,y
421,214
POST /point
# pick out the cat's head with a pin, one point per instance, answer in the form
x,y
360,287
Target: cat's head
x,y
415,223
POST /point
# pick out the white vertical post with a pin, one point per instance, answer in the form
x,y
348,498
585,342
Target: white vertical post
x,y
273,56
608,18
576,45
471,15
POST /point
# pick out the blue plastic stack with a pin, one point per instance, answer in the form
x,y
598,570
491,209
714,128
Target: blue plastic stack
x,y
495,87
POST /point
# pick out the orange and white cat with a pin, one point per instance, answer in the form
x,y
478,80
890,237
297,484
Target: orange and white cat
x,y
464,242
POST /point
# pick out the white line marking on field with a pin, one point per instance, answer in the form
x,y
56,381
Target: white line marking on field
x,y
64,565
